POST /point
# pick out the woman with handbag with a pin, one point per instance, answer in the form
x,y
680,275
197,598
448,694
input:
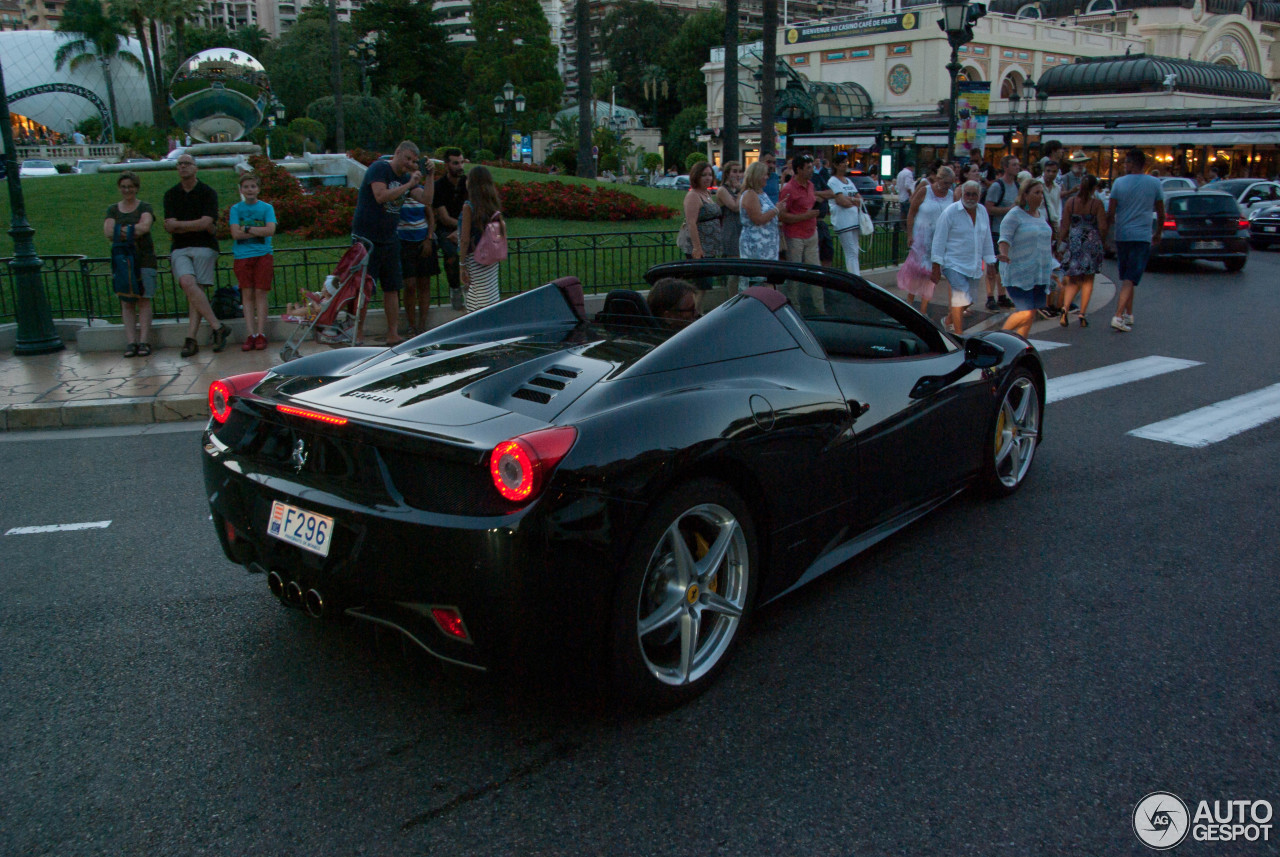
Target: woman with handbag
x,y
927,204
133,262
846,213
702,227
481,221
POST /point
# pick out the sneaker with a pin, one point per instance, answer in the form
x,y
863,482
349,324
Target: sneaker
x,y
456,299
260,342
189,348
218,339
1049,312
1005,302
992,306
247,345
1128,319
1120,324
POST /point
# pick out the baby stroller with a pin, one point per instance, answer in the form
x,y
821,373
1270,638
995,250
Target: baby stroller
x,y
330,314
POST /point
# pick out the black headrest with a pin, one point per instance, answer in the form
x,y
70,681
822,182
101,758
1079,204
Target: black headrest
x,y
626,307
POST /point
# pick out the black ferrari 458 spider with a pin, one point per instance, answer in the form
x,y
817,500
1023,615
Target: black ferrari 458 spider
x,y
624,488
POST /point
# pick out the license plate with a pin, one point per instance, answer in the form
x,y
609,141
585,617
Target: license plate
x,y
307,530
1206,245
1269,229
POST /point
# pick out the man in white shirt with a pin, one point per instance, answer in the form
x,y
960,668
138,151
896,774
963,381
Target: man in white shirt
x,y
961,244
906,186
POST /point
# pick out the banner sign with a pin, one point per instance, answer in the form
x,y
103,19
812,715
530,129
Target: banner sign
x,y
971,118
865,26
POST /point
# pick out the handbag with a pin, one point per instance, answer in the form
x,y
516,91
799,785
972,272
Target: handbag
x,y
683,241
126,276
866,225
492,246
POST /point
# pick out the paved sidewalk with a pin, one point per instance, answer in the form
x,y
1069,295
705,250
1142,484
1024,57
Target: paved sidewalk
x,y
86,389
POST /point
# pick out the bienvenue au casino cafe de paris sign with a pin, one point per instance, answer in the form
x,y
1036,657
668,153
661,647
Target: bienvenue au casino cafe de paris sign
x,y
862,26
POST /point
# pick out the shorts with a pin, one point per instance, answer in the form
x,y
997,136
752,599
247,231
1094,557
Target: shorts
x,y
196,262
1028,299
384,266
826,247
961,287
414,265
1131,257
148,278
255,273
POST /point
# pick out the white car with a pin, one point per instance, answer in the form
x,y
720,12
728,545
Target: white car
x,y
1250,194
1177,183
36,168
86,165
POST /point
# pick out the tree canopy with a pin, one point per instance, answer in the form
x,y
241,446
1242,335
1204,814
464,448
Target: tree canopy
x,y
412,52
298,64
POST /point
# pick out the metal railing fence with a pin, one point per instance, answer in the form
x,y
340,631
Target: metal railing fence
x,y
79,287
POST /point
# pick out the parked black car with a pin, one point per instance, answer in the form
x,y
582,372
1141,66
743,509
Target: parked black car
x,y
524,482
1204,224
1264,227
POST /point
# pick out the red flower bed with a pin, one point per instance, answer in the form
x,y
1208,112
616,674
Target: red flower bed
x,y
560,201
323,213
518,165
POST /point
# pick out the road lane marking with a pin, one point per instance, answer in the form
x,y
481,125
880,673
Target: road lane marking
x,y
1218,421
58,528
1113,376
1046,345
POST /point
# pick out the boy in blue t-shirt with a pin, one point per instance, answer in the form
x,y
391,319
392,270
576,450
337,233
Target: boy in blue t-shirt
x,y
253,222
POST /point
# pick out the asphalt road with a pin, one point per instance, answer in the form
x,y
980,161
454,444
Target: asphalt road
x,y
1007,678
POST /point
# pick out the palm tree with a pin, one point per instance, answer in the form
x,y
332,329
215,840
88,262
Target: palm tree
x,y
730,121
98,34
137,12
767,72
586,104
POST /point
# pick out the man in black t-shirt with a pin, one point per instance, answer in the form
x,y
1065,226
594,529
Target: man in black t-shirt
x,y
191,217
449,197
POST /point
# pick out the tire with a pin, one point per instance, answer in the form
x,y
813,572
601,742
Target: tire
x,y
1236,263
1013,436
674,591
1257,244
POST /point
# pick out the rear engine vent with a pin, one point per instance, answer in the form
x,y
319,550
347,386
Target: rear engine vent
x,y
549,383
532,395
564,371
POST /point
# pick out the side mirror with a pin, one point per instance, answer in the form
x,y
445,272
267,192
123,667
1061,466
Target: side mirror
x,y
978,354
981,354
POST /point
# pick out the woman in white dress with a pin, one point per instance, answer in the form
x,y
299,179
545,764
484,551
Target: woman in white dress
x,y
929,201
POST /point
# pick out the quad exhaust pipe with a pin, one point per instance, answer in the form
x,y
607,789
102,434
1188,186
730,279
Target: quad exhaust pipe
x,y
292,594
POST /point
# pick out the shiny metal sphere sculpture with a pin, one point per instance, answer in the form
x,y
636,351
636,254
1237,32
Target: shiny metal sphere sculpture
x,y
219,95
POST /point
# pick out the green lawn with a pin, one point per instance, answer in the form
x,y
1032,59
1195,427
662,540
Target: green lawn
x,y
67,211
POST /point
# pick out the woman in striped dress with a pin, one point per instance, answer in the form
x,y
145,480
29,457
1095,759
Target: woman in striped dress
x,y
479,282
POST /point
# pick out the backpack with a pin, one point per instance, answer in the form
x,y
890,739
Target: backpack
x,y
492,246
226,303
126,276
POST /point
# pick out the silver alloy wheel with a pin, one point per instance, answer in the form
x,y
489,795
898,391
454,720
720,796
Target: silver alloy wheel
x,y
693,594
1017,431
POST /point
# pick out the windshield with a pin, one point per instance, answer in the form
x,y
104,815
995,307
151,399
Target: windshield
x,y
1203,203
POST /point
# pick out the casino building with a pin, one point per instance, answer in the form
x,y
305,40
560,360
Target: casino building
x,y
1192,83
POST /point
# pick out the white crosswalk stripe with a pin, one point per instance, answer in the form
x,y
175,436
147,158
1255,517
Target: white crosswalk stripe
x,y
57,528
1046,345
1218,421
1114,375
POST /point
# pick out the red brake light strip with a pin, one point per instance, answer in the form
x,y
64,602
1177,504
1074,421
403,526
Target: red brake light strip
x,y
312,415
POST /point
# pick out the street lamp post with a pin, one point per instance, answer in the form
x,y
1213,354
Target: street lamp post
x,y
1022,122
365,53
958,18
506,105
275,113
36,333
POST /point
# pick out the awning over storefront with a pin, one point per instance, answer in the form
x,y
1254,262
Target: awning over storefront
x,y
856,141
1146,73
1116,139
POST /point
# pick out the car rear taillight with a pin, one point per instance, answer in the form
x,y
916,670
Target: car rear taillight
x,y
521,466
312,415
221,393
1242,223
879,188
449,620
1170,224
